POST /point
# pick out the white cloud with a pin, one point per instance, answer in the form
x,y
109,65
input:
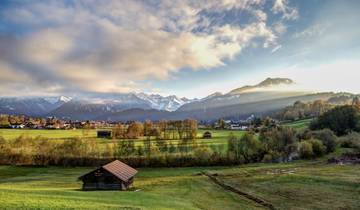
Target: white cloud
x,y
338,75
102,45
315,30
282,6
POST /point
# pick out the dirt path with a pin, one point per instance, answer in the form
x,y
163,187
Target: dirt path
x,y
239,192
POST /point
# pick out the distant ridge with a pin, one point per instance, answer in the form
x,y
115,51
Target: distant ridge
x,y
267,96
269,82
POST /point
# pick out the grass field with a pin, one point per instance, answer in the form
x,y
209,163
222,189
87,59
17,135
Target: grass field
x,y
52,134
300,185
299,124
219,137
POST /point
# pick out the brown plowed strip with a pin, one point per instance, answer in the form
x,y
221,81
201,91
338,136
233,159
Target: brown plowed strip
x,y
239,192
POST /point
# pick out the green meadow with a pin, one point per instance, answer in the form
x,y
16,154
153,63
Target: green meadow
x,y
299,124
297,185
219,137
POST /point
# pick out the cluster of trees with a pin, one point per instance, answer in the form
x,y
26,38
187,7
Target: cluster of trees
x,y
342,120
280,144
301,110
180,129
85,152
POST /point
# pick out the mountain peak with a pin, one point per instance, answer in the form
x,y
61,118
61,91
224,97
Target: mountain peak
x,y
275,81
268,82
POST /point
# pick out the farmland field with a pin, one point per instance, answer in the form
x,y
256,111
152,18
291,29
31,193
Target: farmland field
x,y
298,185
219,137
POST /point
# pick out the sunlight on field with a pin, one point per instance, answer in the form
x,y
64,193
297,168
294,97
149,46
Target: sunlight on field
x,y
53,134
164,188
299,124
299,185
219,137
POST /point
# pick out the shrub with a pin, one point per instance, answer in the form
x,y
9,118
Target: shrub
x,y
351,140
306,150
318,147
203,154
267,158
327,137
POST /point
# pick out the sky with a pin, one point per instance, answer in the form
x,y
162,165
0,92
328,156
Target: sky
x,y
190,48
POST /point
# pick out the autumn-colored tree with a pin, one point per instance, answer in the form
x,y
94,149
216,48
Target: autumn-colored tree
x,y
135,130
119,131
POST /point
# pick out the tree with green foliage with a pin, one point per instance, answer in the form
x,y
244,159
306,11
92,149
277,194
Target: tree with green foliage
x,y
327,137
282,141
341,120
318,147
125,148
250,148
352,140
233,147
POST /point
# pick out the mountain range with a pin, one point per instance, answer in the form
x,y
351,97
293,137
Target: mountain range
x,y
268,96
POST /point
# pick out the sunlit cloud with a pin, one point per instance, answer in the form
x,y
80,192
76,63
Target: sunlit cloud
x,y
113,46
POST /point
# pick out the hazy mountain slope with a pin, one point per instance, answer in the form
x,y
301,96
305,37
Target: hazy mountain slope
x,y
138,115
238,111
86,110
29,106
271,88
269,95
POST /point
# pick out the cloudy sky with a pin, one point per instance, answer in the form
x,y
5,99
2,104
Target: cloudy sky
x,y
190,48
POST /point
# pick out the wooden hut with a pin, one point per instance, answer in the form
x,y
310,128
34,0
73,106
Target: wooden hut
x,y
104,134
207,135
112,176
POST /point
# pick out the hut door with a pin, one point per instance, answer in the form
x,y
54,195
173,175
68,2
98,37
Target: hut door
x,y
99,179
100,182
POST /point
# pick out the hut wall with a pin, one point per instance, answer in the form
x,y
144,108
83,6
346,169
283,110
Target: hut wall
x,y
103,180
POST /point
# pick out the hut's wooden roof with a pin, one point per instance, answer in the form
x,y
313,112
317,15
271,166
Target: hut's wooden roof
x,y
118,169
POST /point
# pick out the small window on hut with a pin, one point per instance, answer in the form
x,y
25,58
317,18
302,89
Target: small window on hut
x,y
98,173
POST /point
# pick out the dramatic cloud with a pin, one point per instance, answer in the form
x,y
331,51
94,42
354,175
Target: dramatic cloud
x,y
113,46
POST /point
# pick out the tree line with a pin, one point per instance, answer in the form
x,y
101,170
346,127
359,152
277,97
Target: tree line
x,y
163,129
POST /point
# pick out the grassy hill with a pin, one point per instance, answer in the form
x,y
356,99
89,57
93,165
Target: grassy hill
x,y
298,185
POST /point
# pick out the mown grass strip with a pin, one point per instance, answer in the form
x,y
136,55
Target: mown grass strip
x,y
239,192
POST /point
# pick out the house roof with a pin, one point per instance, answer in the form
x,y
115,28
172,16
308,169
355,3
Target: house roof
x,y
118,169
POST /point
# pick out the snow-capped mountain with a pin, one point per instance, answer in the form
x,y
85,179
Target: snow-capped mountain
x,y
55,99
32,106
269,95
168,103
92,104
